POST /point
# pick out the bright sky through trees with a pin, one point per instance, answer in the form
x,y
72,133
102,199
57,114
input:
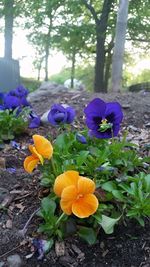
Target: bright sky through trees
x,y
23,51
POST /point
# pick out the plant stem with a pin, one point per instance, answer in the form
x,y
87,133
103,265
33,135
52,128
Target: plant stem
x,y
60,218
53,167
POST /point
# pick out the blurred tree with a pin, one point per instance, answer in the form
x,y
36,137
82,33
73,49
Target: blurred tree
x,y
100,13
117,61
43,16
74,41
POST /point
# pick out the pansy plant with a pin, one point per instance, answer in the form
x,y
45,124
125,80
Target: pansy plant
x,y
111,192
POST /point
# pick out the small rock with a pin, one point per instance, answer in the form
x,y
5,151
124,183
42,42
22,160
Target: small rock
x,y
60,248
125,106
67,261
44,118
133,128
9,224
2,263
14,261
146,116
147,125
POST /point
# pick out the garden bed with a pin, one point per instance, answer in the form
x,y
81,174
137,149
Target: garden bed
x,y
128,246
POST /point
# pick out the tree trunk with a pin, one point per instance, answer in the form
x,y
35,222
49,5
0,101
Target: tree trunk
x,y
108,61
46,62
73,68
9,15
107,70
39,72
101,27
117,62
100,61
47,47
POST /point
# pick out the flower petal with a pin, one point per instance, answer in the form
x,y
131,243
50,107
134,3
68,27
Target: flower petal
x,y
64,180
114,111
85,186
85,206
30,163
43,146
68,196
35,153
96,108
70,114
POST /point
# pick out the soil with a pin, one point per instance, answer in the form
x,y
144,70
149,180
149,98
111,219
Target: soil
x,y
128,246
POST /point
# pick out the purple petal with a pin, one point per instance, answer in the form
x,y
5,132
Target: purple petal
x,y
34,122
114,112
11,102
91,124
96,108
101,135
81,138
70,114
59,117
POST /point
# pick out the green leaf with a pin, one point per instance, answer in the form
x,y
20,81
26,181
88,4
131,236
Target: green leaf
x,y
88,234
117,194
45,182
48,205
109,186
108,223
147,183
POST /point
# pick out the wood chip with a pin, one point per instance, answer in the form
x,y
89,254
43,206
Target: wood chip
x,y
9,224
60,248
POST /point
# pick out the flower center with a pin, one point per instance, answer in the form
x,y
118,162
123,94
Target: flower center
x,y
79,196
105,125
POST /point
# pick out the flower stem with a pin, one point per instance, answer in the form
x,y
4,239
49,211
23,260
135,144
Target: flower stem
x,y
53,167
60,218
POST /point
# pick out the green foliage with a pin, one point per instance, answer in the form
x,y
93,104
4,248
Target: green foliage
x,y
122,184
83,74
62,76
12,124
30,84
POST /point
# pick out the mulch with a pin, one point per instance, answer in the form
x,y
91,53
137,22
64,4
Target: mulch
x,y
20,193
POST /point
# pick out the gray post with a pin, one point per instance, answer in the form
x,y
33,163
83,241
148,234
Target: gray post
x,y
9,74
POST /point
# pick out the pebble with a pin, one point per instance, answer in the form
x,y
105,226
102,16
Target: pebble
x,y
147,125
14,261
44,118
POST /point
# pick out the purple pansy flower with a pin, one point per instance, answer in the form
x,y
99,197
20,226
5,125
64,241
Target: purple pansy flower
x,y
61,114
34,120
11,102
14,98
20,91
103,119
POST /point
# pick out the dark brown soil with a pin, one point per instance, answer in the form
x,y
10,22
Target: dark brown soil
x,y
130,244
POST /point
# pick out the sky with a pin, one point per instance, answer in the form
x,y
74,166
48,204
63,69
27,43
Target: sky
x,y
23,51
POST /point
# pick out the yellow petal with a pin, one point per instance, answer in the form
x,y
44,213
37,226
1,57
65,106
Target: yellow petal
x,y
66,179
43,146
85,206
68,196
36,154
30,163
85,186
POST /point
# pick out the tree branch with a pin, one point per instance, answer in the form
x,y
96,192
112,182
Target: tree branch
x,y
91,9
138,40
